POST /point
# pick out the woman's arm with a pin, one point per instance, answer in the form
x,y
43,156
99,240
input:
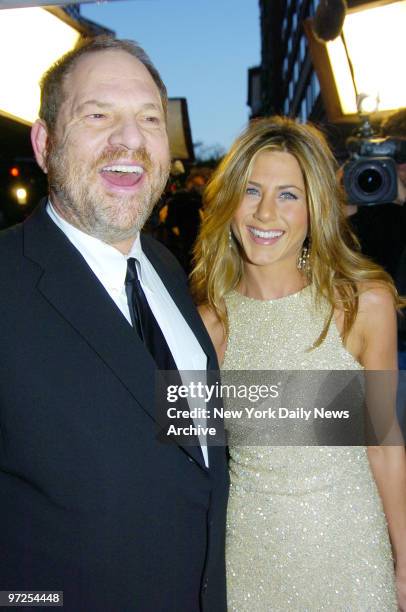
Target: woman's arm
x,y
376,324
215,330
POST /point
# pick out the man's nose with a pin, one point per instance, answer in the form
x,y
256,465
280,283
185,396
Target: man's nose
x,y
127,133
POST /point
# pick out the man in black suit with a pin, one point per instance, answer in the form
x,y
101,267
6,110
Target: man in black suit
x,y
92,503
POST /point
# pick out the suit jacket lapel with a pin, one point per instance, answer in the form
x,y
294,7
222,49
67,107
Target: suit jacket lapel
x,y
70,286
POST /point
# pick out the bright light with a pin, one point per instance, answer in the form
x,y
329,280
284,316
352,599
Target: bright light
x,y
342,76
367,103
375,43
31,39
21,195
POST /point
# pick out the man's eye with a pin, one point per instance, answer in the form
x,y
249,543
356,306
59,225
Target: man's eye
x,y
287,195
152,119
96,116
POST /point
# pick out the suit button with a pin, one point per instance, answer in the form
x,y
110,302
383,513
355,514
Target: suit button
x,y
204,587
191,460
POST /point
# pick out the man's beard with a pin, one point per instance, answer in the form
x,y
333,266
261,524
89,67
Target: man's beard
x,y
111,218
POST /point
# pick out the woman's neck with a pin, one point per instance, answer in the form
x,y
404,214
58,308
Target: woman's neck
x,y
264,283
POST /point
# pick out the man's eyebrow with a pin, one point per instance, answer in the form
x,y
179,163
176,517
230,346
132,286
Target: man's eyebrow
x,y
107,105
97,103
151,106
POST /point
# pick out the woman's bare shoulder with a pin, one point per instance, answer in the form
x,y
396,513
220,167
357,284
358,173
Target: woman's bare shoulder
x,y
215,329
375,298
376,326
375,318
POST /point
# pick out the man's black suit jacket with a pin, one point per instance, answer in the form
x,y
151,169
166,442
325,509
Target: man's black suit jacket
x,y
90,502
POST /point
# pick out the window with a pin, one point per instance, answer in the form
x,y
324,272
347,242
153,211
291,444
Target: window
x,y
315,86
285,67
296,72
303,111
284,26
302,48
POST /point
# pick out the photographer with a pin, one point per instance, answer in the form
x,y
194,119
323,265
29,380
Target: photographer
x,y
381,228
395,127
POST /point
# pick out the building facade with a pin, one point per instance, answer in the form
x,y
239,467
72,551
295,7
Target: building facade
x,y
285,82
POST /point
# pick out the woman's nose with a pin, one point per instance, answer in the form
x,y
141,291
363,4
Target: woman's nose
x,y
266,210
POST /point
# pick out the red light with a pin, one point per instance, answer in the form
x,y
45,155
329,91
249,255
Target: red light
x,y
14,171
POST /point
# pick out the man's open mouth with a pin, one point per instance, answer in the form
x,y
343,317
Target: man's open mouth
x,y
122,175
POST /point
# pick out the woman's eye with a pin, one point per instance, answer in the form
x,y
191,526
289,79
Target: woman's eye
x,y
287,195
252,191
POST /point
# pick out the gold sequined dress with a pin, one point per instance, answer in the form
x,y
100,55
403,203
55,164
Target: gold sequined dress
x,y
306,529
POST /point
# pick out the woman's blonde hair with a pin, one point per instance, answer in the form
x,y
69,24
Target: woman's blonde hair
x,y
336,265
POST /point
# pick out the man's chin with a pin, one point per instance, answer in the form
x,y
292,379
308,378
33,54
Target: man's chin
x,y
128,205
114,230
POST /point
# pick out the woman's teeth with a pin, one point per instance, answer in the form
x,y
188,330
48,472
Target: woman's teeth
x,y
265,234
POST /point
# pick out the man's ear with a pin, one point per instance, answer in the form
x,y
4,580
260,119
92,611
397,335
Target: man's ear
x,y
40,141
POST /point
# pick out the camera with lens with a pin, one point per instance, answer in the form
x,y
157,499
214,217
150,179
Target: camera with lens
x,y
370,175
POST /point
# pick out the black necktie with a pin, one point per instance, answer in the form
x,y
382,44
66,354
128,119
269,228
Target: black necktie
x,y
144,321
150,333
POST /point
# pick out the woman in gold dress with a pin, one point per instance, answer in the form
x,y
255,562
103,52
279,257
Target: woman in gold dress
x,y
281,286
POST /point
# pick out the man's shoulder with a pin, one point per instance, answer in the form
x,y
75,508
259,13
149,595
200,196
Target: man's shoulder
x,y
13,237
11,240
14,267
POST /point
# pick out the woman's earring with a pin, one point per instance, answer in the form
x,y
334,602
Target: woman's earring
x,y
230,239
303,262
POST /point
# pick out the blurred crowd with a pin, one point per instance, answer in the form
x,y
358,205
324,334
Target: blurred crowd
x,y
177,217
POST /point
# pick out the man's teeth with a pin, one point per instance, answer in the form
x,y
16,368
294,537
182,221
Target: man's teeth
x,y
117,168
262,234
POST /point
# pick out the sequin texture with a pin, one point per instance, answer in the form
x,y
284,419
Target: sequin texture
x,y
306,529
